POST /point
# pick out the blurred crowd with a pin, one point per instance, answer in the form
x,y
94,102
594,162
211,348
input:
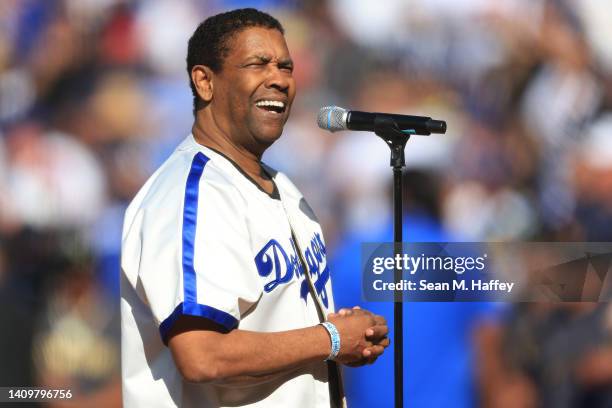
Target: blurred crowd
x,y
94,96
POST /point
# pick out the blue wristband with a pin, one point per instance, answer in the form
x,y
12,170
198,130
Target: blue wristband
x,y
335,339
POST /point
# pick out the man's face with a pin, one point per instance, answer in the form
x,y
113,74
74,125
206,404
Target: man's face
x,y
253,92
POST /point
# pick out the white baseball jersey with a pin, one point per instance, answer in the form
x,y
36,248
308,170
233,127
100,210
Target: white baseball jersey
x,y
202,239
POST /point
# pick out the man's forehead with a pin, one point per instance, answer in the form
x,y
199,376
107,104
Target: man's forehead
x,y
258,41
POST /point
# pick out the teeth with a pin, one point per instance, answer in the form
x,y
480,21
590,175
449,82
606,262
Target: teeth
x,y
278,104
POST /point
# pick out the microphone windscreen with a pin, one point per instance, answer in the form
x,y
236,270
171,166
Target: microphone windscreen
x,y
332,118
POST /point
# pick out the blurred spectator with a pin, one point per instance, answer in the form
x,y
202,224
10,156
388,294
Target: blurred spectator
x,y
18,309
593,182
76,342
45,170
548,355
438,356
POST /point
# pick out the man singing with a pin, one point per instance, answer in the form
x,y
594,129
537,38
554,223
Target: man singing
x,y
226,295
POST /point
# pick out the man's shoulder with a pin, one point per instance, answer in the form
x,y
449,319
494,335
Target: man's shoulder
x,y
187,169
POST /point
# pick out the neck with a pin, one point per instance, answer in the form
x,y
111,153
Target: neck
x,y
206,132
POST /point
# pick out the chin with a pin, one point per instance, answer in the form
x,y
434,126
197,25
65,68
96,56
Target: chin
x,y
269,135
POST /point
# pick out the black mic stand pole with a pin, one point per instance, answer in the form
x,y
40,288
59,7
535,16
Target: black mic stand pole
x,y
396,139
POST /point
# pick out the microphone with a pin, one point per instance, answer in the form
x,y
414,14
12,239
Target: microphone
x,y
334,118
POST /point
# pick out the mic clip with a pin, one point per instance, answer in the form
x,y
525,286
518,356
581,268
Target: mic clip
x,y
386,128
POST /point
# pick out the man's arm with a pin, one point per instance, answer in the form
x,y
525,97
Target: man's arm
x,y
203,353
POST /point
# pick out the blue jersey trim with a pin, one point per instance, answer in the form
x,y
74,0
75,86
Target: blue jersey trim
x,y
190,220
226,320
190,305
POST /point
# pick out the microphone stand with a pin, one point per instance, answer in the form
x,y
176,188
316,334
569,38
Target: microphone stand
x,y
396,139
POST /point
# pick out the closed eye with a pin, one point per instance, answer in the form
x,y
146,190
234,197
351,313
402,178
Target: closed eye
x,y
256,64
286,67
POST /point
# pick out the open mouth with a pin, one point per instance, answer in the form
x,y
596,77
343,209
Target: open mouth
x,y
277,107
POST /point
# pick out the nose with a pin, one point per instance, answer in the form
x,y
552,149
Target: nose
x,y
278,78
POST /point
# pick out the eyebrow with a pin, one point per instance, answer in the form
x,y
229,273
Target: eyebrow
x,y
267,58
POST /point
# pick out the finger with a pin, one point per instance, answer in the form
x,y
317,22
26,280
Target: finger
x,y
345,312
380,320
331,315
384,342
372,360
356,307
372,352
376,333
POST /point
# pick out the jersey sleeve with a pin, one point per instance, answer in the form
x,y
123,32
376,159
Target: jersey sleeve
x,y
207,269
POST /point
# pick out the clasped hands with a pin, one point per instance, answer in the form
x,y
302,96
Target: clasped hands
x,y
363,336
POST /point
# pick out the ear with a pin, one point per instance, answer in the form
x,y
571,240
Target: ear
x,y
201,76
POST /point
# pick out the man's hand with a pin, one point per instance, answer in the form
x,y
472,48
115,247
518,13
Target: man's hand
x,y
363,336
